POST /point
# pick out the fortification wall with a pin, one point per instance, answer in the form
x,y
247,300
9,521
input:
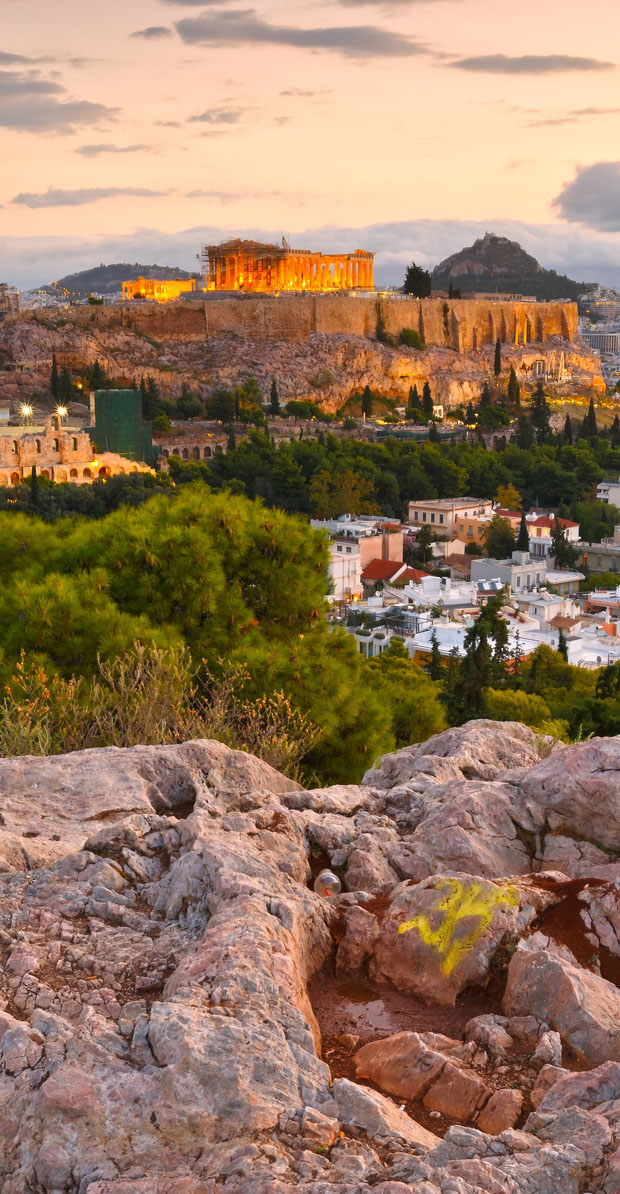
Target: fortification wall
x,y
463,325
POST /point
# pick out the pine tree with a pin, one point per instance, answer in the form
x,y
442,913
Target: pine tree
x,y
54,380
427,400
470,415
563,646
274,398
523,537
567,434
485,397
514,390
497,364
367,400
417,281
524,436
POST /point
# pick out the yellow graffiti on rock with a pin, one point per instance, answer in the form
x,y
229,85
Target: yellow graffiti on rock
x,y
460,902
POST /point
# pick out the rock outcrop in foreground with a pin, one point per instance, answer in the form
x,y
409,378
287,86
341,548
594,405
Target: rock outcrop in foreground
x,y
159,937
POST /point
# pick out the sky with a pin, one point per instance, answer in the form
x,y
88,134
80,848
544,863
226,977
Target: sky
x,y
137,130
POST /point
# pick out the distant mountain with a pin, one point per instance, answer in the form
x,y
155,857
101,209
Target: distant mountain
x,y
106,279
494,263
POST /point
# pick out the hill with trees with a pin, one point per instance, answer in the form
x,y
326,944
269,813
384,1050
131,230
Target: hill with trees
x,y
106,279
495,263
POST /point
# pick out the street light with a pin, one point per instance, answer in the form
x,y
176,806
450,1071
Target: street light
x,y
61,411
26,412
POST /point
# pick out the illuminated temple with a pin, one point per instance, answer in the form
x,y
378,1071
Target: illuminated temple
x,y
248,265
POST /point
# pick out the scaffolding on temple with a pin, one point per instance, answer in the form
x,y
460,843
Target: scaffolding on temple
x,y
252,267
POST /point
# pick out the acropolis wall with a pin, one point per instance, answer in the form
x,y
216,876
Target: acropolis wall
x,y
463,325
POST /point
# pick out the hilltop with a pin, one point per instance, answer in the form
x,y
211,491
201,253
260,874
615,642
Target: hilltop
x,y
495,263
105,279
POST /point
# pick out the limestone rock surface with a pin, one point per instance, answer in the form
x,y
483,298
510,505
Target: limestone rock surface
x,y
160,939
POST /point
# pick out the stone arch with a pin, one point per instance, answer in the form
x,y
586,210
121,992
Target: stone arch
x,y
196,452
73,472
15,479
207,452
60,475
87,473
174,452
104,471
165,453
45,473
185,453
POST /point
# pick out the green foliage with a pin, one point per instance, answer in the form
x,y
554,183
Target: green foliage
x,y
304,410
523,538
540,414
417,281
564,554
427,400
599,580
220,406
274,400
411,339
497,363
409,693
515,705
367,402
482,667
589,427
499,539
162,425
340,493
514,390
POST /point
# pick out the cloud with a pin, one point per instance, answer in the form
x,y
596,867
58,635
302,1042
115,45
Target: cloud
x,y
153,32
29,103
54,197
245,26
219,116
592,198
529,64
7,59
231,197
95,151
303,93
572,117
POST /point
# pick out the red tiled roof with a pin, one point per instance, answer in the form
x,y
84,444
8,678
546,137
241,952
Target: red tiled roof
x,y
386,569
545,521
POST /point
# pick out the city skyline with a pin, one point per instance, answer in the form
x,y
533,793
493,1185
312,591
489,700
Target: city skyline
x,y
138,131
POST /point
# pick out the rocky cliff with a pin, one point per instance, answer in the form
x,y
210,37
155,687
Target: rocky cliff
x,y
182,1014
325,367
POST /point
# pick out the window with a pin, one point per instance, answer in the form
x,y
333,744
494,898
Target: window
x,y
470,532
518,580
424,516
74,443
441,518
55,445
432,517
14,447
38,444
339,548
348,551
462,528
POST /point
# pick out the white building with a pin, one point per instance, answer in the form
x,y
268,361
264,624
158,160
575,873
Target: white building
x,y
345,570
609,491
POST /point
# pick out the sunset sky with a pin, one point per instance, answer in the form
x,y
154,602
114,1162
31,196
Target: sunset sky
x,y
136,129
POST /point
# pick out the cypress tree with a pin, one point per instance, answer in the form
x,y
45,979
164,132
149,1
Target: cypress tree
x,y
65,386
485,397
497,364
523,538
433,667
568,430
274,398
232,442
563,646
97,377
470,415
615,433
367,401
34,487
413,401
589,423
427,400
54,380
540,414
514,390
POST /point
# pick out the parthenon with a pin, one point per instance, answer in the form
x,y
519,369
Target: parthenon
x,y
247,265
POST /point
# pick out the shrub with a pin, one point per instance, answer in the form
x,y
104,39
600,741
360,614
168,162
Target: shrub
x,y
411,339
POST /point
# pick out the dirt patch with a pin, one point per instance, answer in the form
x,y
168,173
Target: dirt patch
x,y
564,924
